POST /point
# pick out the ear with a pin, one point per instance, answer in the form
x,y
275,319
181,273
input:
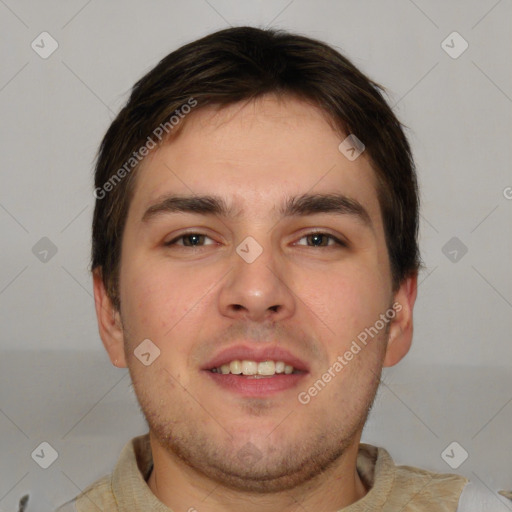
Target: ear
x,y
109,322
401,327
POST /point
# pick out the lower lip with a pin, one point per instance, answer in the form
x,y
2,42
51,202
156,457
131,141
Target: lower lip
x,y
256,387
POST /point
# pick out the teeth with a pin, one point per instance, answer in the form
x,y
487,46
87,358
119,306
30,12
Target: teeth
x,y
265,368
235,367
249,367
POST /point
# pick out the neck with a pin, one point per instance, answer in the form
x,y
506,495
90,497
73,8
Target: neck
x,y
180,487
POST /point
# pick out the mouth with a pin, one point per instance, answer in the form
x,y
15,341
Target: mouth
x,y
256,373
254,369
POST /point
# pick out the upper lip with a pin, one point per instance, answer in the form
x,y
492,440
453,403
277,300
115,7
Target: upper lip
x,y
258,354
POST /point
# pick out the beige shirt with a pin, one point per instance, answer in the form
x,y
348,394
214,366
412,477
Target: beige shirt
x,y
392,488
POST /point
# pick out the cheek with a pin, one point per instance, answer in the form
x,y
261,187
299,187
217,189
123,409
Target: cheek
x,y
345,300
152,297
165,305
155,285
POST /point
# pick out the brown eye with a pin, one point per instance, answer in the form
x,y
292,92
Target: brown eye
x,y
320,240
190,240
193,240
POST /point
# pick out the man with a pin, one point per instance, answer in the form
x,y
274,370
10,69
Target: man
x,y
255,266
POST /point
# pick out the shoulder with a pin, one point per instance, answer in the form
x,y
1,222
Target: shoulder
x,y
406,488
97,496
414,489
100,495
429,487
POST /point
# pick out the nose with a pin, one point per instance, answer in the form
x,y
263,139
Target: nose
x,y
257,291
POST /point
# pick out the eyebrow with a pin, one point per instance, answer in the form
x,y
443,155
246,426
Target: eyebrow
x,y
309,204
306,204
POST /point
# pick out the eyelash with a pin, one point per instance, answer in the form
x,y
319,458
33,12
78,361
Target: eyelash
x,y
336,240
174,240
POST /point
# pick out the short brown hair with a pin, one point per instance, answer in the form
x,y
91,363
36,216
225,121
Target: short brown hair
x,y
244,63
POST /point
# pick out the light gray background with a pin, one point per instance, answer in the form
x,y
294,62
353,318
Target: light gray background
x,y
57,384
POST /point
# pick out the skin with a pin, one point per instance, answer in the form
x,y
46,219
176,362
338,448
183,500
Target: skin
x,y
312,300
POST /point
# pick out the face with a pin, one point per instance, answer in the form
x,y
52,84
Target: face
x,y
252,238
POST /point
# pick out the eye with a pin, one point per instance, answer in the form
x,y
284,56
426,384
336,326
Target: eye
x,y
321,240
191,240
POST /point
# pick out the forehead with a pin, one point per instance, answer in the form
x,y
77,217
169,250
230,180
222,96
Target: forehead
x,y
254,153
